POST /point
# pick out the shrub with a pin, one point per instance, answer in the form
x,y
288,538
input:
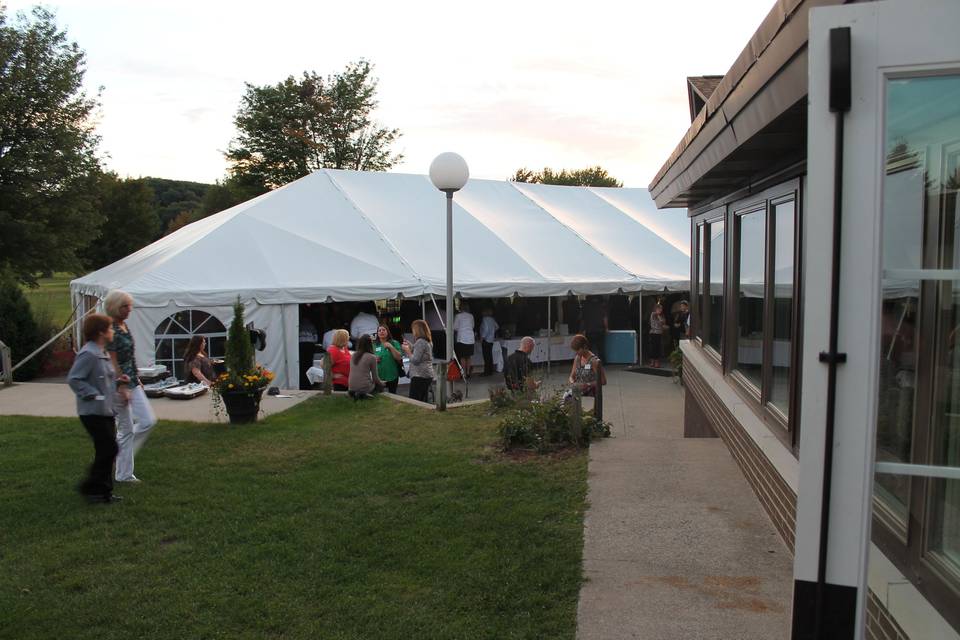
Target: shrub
x,y
548,425
503,399
18,328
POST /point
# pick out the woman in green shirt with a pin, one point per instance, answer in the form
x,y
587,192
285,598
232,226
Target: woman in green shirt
x,y
389,358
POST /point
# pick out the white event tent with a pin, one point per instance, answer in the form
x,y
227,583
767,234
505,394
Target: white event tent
x,y
357,236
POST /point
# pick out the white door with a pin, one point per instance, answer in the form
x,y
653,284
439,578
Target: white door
x,y
894,508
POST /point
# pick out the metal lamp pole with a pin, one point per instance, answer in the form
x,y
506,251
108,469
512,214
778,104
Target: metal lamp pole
x,y
449,173
442,402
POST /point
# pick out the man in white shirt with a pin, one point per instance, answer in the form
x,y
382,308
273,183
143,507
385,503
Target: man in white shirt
x,y
463,329
488,332
435,318
364,324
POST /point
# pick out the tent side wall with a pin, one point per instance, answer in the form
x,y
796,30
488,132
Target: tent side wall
x,y
278,321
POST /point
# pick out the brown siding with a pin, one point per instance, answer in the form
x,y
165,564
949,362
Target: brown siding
x,y
776,496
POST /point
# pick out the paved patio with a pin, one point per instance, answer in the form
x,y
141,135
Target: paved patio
x,y
54,399
676,544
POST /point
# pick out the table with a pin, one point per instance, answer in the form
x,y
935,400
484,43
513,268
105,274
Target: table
x,y
559,348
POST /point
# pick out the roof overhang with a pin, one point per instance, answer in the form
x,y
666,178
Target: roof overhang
x,y
754,123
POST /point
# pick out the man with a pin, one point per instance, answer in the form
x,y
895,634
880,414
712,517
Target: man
x,y
488,332
308,344
517,368
681,322
364,323
594,325
435,319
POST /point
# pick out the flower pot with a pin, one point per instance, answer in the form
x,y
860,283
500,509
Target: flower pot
x,y
242,406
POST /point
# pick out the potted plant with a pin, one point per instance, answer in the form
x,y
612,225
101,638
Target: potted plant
x,y
240,388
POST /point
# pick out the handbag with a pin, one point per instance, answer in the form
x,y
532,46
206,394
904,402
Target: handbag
x,y
453,371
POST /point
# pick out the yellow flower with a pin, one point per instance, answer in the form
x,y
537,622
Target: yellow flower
x,y
230,386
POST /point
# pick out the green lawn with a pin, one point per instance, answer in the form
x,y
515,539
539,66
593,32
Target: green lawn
x,y
51,300
332,520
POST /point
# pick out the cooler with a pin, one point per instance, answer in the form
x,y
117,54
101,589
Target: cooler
x,y
621,347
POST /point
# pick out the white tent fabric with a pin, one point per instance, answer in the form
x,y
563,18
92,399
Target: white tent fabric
x,y
355,236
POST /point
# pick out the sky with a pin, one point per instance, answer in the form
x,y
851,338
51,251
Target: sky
x,y
504,84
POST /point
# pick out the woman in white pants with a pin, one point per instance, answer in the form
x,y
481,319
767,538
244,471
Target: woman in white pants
x,y
135,416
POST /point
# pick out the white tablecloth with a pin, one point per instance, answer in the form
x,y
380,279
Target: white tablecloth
x,y
559,348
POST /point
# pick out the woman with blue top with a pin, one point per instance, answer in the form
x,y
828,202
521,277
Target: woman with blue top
x,y
135,416
92,380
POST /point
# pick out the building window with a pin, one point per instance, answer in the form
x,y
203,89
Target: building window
x,y
751,230
173,334
714,306
761,307
918,403
701,274
784,219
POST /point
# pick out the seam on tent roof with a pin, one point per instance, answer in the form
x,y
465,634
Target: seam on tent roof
x,y
502,241
592,190
380,234
546,210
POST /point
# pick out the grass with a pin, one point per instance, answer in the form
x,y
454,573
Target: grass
x,y
331,520
51,299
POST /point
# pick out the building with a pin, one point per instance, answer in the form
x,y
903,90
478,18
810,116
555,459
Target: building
x,y
828,159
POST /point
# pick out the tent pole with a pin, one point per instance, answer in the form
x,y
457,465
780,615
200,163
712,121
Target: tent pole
x,y
640,329
549,337
423,308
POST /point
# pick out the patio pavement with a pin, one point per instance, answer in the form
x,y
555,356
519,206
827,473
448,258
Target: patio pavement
x,y
676,544
54,399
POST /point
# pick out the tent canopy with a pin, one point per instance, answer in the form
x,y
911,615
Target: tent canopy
x,y
347,235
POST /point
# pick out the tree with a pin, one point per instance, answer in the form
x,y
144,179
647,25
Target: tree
x,y
287,130
589,177
48,166
18,328
131,221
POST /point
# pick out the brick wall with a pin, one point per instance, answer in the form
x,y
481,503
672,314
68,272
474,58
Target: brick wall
x,y
880,624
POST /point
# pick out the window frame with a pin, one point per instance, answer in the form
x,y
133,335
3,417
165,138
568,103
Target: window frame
x,y
906,543
709,219
194,329
733,309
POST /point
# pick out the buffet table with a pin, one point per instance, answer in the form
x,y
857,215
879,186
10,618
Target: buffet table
x,y
559,348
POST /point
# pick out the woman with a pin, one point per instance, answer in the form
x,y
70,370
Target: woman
x,y
389,358
93,381
587,373
463,327
363,370
196,364
657,324
135,416
421,360
340,360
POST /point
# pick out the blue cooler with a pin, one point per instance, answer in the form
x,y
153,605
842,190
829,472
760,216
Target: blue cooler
x,y
621,347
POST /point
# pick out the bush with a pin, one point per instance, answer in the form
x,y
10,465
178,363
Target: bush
x,y
18,328
503,399
548,425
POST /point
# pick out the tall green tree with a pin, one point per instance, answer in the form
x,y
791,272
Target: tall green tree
x,y
48,165
130,220
287,130
590,177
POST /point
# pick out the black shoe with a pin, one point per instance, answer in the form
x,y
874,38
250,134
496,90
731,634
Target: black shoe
x,y
103,499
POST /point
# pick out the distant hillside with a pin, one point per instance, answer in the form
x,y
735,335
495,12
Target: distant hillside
x,y
173,197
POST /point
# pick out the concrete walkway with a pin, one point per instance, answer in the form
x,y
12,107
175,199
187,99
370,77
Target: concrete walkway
x,y
676,544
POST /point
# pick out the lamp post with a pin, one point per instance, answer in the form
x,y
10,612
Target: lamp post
x,y
448,173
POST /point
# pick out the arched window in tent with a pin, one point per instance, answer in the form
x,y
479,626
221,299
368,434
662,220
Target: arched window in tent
x,y
173,334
